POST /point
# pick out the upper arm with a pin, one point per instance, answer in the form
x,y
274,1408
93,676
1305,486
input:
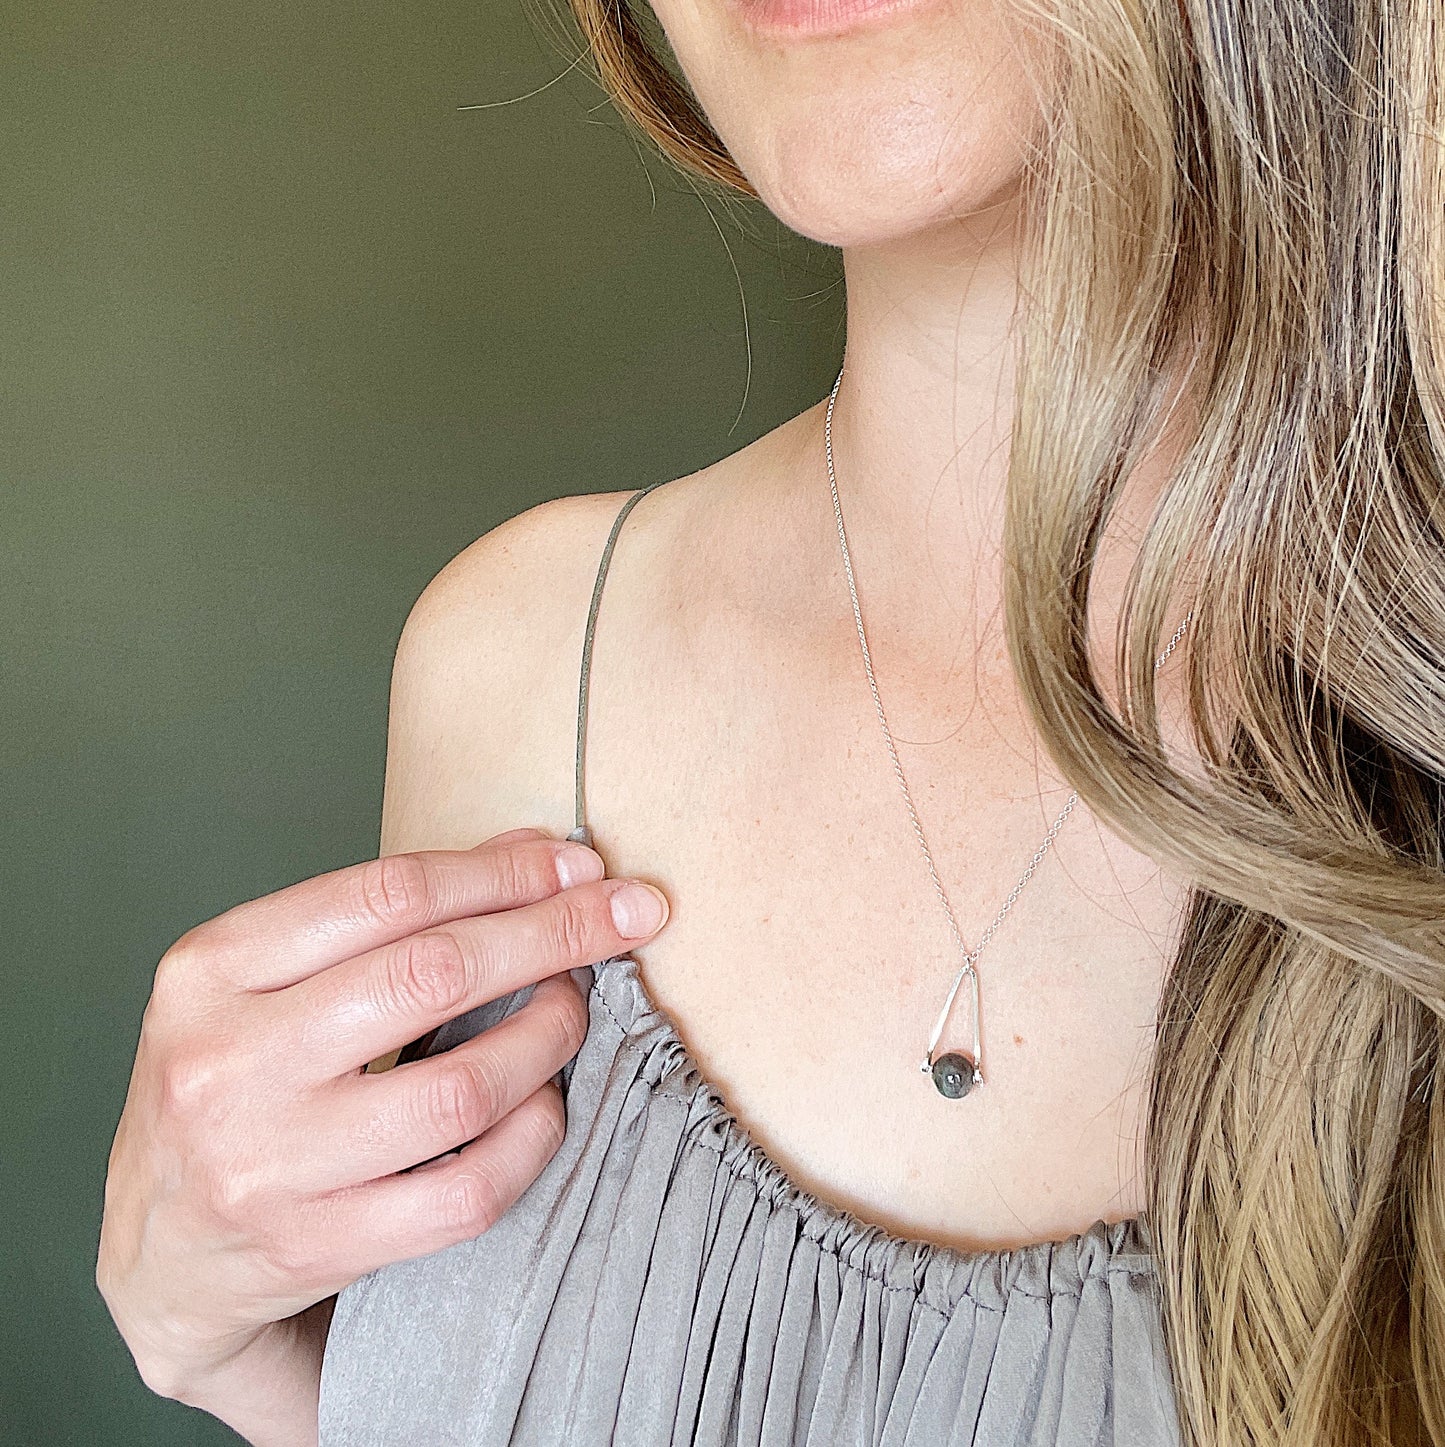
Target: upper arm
x,y
482,716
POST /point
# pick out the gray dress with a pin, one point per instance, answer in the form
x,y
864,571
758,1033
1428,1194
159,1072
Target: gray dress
x,y
663,1281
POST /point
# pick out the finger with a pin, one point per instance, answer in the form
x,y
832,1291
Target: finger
x,y
365,1007
375,1125
454,1199
272,942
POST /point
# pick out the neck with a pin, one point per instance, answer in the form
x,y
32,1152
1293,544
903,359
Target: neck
x,y
922,418
922,422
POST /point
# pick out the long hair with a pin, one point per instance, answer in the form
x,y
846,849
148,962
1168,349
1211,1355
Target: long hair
x,y
1256,186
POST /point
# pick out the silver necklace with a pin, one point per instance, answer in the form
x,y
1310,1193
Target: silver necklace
x,y
955,1073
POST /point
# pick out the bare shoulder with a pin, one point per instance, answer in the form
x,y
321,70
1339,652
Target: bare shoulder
x,y
482,728
484,683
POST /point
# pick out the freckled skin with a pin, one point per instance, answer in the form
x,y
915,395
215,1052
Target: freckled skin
x,y
901,141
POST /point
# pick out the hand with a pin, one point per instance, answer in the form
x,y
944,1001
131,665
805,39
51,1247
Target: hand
x,y
258,1169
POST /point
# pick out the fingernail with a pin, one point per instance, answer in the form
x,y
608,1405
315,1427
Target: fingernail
x,y
577,864
637,909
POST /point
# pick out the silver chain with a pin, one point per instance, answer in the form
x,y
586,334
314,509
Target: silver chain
x,y
969,956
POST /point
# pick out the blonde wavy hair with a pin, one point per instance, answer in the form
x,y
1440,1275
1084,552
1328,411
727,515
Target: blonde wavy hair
x,y
1257,186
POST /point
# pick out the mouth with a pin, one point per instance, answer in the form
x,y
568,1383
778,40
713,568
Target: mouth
x,y
796,19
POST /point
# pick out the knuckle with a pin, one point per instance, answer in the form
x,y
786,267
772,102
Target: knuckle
x,y
465,1098
471,1202
191,1079
431,973
549,1119
573,930
514,871
289,1256
235,1197
567,1021
179,967
395,889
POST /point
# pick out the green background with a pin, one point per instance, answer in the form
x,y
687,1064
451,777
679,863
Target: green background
x,y
283,330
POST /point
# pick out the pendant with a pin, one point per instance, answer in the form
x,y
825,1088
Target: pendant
x,y
955,1073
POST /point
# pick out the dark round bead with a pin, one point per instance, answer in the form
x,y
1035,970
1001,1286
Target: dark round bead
x,y
953,1075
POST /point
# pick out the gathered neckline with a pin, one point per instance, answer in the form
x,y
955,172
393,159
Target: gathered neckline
x,y
1056,1265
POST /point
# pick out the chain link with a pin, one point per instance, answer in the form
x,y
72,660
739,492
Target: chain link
x,y
969,956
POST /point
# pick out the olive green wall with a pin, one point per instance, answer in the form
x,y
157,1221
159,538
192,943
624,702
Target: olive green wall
x,y
281,330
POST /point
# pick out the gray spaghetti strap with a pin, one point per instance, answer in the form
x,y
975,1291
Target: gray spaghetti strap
x,y
582,834
426,1044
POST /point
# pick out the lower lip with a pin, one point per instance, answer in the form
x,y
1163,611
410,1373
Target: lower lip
x,y
818,17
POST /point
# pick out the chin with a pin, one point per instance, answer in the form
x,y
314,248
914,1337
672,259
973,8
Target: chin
x,y
901,126
872,187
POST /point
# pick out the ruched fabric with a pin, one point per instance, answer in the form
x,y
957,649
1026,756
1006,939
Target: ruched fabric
x,y
663,1281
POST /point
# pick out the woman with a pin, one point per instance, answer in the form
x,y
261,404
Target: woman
x,y
1138,300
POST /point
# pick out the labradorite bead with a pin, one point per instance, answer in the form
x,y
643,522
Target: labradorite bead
x,y
953,1075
